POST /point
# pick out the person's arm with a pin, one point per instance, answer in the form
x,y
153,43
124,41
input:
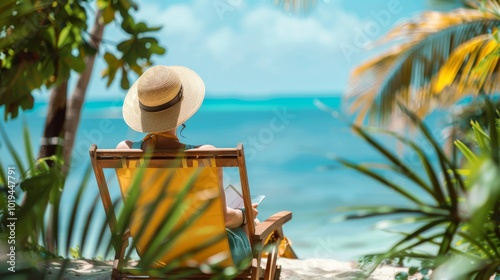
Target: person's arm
x,y
127,144
232,217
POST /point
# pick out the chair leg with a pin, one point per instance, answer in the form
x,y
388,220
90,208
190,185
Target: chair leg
x,y
116,275
272,258
256,270
278,272
119,255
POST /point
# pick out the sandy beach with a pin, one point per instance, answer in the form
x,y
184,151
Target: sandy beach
x,y
300,269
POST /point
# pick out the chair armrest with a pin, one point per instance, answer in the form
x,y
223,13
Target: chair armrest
x,y
276,221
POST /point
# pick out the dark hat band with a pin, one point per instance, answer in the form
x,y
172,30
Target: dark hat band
x,y
163,106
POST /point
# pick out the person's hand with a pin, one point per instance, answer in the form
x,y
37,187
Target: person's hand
x,y
255,211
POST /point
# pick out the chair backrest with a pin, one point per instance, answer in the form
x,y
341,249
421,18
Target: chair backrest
x,y
177,200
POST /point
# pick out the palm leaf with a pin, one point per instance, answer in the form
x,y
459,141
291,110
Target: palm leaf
x,y
27,147
495,149
167,225
471,69
404,73
296,6
491,6
428,23
101,237
482,138
469,155
444,162
399,165
448,237
436,190
386,224
377,177
150,213
89,220
376,211
416,241
12,151
76,207
416,233
485,248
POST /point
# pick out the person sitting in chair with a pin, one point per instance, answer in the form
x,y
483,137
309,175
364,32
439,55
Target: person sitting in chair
x,y
158,103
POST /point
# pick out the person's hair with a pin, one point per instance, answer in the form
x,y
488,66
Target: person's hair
x,y
182,129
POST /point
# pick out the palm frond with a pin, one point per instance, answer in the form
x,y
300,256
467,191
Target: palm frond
x,y
487,248
430,22
404,73
90,219
423,212
296,6
490,6
14,154
435,188
472,68
377,177
76,206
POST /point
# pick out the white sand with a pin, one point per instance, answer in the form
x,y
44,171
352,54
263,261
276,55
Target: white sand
x,y
76,269
291,270
332,269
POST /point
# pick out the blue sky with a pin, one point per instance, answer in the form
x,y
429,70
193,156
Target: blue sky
x,y
252,49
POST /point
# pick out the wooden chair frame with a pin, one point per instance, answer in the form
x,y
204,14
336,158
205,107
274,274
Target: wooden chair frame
x,y
223,157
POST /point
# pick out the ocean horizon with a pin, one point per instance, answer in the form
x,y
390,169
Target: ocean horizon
x,y
289,143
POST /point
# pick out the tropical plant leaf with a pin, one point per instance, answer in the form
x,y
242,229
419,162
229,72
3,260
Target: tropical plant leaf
x,y
469,155
102,238
404,74
381,179
425,228
150,213
167,226
482,138
482,246
399,165
368,212
296,6
444,162
421,219
88,222
435,188
493,129
12,151
76,207
470,69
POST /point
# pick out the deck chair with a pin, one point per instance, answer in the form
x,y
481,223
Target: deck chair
x,y
182,188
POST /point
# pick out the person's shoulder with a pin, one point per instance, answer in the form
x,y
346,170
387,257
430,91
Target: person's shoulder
x,y
205,147
125,144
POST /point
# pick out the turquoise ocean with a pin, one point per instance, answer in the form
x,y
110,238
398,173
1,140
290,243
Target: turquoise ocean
x,y
288,144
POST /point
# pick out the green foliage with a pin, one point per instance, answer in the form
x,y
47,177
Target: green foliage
x,y
435,60
41,187
461,218
43,42
296,7
75,252
461,118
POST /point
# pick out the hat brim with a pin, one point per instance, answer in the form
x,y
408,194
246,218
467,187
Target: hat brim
x,y
193,94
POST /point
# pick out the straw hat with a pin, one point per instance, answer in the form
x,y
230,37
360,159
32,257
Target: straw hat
x,y
163,98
